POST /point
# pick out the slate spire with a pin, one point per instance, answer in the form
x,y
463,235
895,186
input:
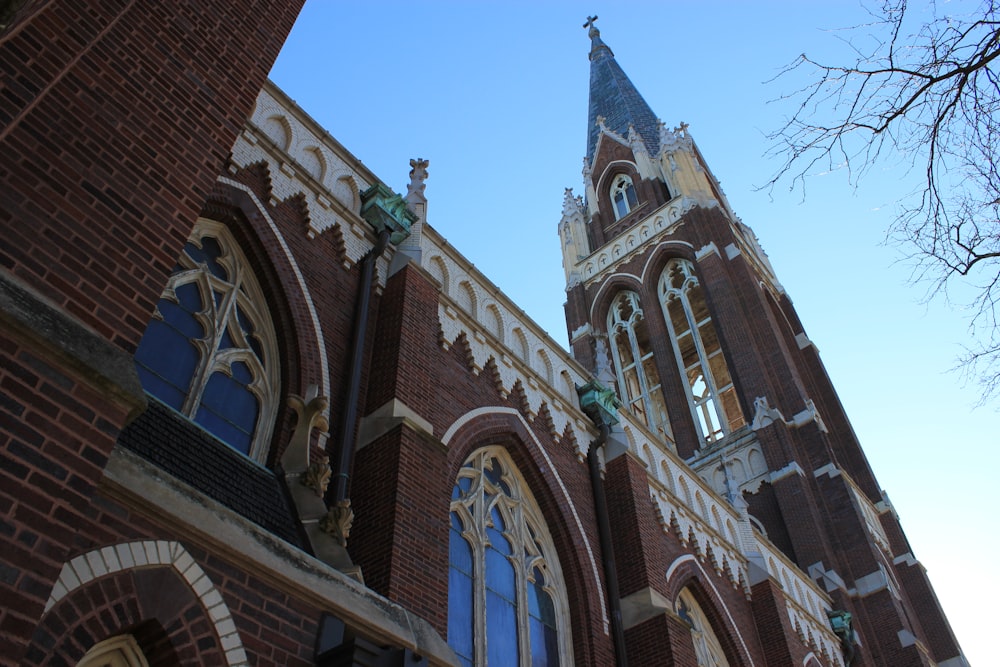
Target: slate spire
x,y
614,98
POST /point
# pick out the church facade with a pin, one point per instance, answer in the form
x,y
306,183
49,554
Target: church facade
x,y
256,411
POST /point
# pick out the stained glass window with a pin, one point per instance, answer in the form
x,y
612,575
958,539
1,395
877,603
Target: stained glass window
x,y
209,351
623,198
506,603
708,382
638,380
707,648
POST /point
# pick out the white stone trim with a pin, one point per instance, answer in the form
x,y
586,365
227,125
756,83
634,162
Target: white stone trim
x,y
324,365
145,553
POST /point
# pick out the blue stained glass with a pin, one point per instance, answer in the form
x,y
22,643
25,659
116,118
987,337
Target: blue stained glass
x,y
154,384
257,348
181,319
544,645
493,469
540,604
223,430
500,574
189,298
460,632
242,373
230,399
208,254
226,341
501,631
459,550
168,353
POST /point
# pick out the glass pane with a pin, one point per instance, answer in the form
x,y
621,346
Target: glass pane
x,y
169,354
460,620
500,574
459,549
642,337
652,375
659,409
181,317
630,194
167,393
223,430
188,299
209,252
501,632
676,274
621,208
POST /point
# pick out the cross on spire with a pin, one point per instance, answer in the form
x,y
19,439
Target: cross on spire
x,y
590,21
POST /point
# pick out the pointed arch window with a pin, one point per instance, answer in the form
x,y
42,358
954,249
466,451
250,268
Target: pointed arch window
x,y
506,601
623,197
707,648
638,380
210,350
708,382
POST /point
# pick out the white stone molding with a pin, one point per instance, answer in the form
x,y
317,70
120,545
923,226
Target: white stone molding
x,y
765,415
324,366
134,555
309,161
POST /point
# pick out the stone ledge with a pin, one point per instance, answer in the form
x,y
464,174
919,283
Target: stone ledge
x,y
37,322
136,483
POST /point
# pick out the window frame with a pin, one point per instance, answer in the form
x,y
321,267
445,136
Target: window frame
x,y
622,184
713,393
241,292
527,533
639,360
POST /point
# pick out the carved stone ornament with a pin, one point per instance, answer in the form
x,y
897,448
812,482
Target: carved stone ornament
x,y
338,521
418,174
317,476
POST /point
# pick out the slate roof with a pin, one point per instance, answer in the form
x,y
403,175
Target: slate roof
x,y
613,96
177,446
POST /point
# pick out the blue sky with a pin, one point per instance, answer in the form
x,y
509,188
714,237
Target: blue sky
x,y
494,94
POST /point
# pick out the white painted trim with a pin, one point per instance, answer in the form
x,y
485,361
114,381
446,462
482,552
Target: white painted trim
x,y
323,363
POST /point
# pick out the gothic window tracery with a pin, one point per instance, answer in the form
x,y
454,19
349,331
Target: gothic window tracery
x,y
638,380
210,350
506,601
707,648
708,383
623,197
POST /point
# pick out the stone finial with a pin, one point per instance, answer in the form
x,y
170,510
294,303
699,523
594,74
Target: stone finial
x,y
418,174
338,521
600,122
571,204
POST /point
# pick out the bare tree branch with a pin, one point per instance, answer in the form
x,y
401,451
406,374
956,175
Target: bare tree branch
x,y
928,91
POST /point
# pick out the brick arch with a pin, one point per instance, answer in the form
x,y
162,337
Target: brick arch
x,y
507,428
304,351
601,302
687,572
152,590
658,257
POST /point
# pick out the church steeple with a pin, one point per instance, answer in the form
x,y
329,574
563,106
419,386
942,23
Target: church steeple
x,y
615,99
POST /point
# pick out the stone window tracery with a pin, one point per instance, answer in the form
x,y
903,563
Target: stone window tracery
x,y
210,350
623,197
707,648
119,651
506,601
708,383
638,380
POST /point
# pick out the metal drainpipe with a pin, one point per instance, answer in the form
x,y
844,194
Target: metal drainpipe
x,y
347,426
607,551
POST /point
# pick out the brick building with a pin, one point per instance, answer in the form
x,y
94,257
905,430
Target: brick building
x,y
256,411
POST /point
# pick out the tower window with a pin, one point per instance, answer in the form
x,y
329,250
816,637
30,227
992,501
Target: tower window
x,y
696,344
210,350
623,198
506,601
638,379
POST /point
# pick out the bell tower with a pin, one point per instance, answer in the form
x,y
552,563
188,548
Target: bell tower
x,y
672,301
